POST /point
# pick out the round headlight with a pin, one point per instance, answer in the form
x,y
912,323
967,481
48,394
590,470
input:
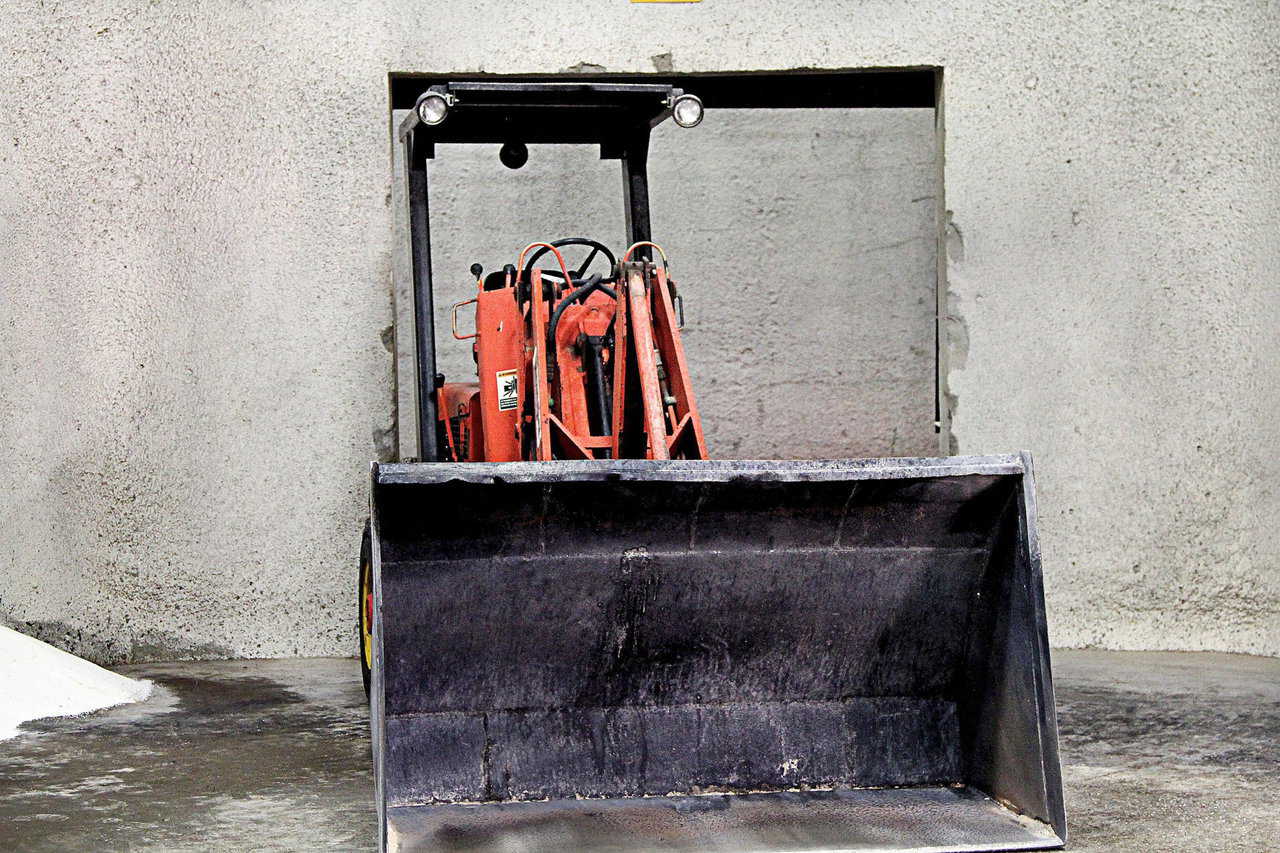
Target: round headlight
x,y
687,110
433,107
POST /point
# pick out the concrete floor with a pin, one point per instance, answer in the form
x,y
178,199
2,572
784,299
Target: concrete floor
x,y
1161,752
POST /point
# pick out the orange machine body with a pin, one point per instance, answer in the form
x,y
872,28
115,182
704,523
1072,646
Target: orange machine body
x,y
612,383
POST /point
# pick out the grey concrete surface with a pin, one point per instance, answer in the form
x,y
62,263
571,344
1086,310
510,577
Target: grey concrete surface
x,y
195,203
1161,751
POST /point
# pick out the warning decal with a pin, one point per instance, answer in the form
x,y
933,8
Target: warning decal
x,y
508,390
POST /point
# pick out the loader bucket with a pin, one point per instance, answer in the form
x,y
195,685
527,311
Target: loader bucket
x,y
676,655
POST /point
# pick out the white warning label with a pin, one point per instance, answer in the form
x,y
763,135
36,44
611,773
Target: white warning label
x,y
508,390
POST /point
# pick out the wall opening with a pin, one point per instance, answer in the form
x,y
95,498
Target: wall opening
x,y
803,218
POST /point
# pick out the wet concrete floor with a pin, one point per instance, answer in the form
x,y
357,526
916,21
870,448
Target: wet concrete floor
x,y
1161,751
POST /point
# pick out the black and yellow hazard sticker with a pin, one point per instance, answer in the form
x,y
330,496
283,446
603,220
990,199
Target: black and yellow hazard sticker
x,y
508,390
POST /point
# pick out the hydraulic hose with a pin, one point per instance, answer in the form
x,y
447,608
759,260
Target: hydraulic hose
x,y
592,283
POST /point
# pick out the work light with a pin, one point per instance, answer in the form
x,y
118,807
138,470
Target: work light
x,y
433,107
687,110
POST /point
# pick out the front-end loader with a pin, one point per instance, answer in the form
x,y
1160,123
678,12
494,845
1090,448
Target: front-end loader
x,y
581,633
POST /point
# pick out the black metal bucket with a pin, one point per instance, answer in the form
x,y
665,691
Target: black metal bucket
x,y
641,655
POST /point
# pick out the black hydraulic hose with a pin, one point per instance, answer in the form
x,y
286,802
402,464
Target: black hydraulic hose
x,y
599,416
593,283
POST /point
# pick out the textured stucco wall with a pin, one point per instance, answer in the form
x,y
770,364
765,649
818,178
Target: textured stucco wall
x,y
196,214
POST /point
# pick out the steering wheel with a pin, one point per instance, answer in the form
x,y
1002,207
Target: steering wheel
x,y
597,248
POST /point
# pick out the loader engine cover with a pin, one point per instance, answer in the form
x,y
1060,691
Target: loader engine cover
x,y
712,655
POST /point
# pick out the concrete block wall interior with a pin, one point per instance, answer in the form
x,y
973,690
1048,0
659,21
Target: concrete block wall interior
x,y
824,187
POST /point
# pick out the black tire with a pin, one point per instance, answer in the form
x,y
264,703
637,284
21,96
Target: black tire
x,y
364,588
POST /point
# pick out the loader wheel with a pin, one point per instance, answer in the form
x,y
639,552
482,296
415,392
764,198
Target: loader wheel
x,y
364,599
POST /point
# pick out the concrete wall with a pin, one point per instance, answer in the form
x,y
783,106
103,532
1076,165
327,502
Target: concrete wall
x,y
195,203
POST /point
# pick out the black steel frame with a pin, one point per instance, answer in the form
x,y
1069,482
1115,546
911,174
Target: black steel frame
x,y
616,116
